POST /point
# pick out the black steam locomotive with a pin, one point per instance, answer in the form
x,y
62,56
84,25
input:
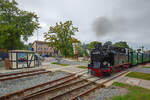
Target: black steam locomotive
x,y
106,59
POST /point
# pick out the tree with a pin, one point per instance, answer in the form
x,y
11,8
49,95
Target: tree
x,y
28,46
60,37
92,44
139,50
14,24
121,44
82,49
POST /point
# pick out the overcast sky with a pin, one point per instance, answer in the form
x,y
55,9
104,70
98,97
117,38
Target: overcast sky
x,y
101,20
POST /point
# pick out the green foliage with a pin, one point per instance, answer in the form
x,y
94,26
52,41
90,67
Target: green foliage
x,y
27,46
135,92
91,45
60,64
82,67
146,67
121,44
139,75
82,49
60,37
14,24
139,50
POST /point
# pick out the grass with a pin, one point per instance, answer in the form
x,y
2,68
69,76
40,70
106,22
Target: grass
x,y
135,92
83,67
139,75
146,67
59,64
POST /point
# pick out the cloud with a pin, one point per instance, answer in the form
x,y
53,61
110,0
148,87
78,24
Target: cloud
x,y
103,20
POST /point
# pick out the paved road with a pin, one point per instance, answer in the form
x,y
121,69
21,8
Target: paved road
x,y
64,61
143,70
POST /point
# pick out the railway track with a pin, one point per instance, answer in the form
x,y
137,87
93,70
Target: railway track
x,y
10,76
70,87
85,93
71,91
35,89
17,73
58,89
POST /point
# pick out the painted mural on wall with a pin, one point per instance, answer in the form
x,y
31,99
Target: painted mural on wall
x,y
22,57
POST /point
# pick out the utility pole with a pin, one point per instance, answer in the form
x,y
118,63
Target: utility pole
x,y
37,42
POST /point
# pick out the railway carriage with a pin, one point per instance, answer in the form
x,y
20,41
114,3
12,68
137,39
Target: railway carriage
x,y
106,59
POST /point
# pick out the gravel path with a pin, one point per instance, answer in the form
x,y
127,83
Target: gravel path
x,y
26,82
101,94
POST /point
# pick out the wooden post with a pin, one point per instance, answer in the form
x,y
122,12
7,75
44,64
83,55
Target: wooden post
x,y
7,63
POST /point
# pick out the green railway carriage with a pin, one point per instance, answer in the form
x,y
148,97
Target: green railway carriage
x,y
138,58
145,57
133,58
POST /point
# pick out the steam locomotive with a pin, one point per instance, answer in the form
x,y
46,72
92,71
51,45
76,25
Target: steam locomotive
x,y
107,59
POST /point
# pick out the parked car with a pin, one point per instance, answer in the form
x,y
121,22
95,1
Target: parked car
x,y
46,55
3,55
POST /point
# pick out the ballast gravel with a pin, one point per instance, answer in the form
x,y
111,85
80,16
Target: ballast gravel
x,y
103,93
14,85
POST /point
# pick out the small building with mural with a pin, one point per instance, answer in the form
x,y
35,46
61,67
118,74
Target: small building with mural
x,y
22,59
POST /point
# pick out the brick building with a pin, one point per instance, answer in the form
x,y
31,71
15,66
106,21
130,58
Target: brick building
x,y
42,48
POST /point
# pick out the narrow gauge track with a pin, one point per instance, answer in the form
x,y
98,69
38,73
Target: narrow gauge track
x,y
71,90
20,75
57,89
17,73
23,93
85,93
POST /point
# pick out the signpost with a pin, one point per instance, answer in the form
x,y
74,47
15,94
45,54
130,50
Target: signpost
x,y
75,49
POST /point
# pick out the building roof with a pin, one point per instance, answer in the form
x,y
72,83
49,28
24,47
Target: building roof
x,y
43,42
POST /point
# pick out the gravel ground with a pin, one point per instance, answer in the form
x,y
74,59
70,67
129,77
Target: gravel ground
x,y
26,82
101,94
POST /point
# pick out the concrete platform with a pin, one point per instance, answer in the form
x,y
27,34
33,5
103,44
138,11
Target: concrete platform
x,y
134,81
70,69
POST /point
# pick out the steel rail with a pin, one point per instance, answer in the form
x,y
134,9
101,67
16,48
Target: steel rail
x,y
9,74
82,86
49,89
96,87
26,75
21,92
